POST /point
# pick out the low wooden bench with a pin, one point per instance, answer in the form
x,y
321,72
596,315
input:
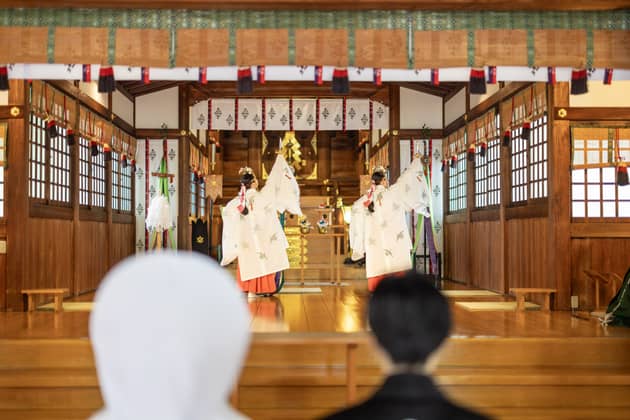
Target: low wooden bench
x,y
522,292
57,295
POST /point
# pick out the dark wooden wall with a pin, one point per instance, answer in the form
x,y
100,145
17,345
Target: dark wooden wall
x,y
337,155
51,247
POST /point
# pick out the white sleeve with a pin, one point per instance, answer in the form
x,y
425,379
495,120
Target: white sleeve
x,y
411,190
357,229
282,188
231,233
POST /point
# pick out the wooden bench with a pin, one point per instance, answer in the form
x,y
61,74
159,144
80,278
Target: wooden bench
x,y
522,292
56,293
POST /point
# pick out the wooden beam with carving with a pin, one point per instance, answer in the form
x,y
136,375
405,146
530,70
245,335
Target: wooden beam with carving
x,y
466,5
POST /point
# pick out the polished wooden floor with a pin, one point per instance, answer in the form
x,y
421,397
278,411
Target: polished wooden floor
x,y
336,309
542,365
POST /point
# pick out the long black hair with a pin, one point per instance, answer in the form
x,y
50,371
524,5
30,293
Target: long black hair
x,y
377,178
247,179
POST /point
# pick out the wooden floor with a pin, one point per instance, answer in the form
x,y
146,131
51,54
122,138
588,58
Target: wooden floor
x,y
508,365
336,309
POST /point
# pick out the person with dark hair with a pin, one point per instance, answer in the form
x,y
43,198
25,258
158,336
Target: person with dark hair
x,y
378,227
252,232
410,320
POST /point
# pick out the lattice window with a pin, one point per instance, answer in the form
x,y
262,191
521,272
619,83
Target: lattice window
x,y
193,195
455,146
594,191
49,163
202,199
116,181
84,171
49,158
98,179
529,158
126,179
488,168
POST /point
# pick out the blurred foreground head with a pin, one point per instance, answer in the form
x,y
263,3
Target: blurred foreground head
x,y
169,332
409,318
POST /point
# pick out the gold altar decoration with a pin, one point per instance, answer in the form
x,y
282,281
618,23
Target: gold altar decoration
x,y
300,152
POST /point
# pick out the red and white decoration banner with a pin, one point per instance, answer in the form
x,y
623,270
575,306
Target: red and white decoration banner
x,y
304,114
199,116
357,114
330,114
222,115
250,114
277,114
380,116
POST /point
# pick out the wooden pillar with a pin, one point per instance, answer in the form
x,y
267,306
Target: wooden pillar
x,y
394,127
559,201
183,227
504,241
76,223
254,151
16,187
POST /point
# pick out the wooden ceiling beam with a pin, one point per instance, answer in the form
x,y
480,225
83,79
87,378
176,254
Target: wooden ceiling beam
x,y
466,5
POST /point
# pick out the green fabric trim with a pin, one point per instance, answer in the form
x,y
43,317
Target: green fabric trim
x,y
51,44
111,46
589,48
350,20
531,53
294,19
471,48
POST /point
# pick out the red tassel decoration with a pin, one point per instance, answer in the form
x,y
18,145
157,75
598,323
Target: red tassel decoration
x,y
579,83
123,161
378,77
4,78
145,76
551,75
471,152
526,130
87,73
261,75
70,136
203,75
106,82
506,138
107,152
319,75
608,75
484,149
435,77
453,161
622,174
133,165
51,128
443,165
340,81
244,85
477,82
94,148
492,75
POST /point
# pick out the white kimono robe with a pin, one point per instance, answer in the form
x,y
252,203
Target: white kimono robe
x,y
383,236
257,239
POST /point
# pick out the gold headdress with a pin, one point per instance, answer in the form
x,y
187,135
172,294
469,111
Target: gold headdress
x,y
379,169
245,170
